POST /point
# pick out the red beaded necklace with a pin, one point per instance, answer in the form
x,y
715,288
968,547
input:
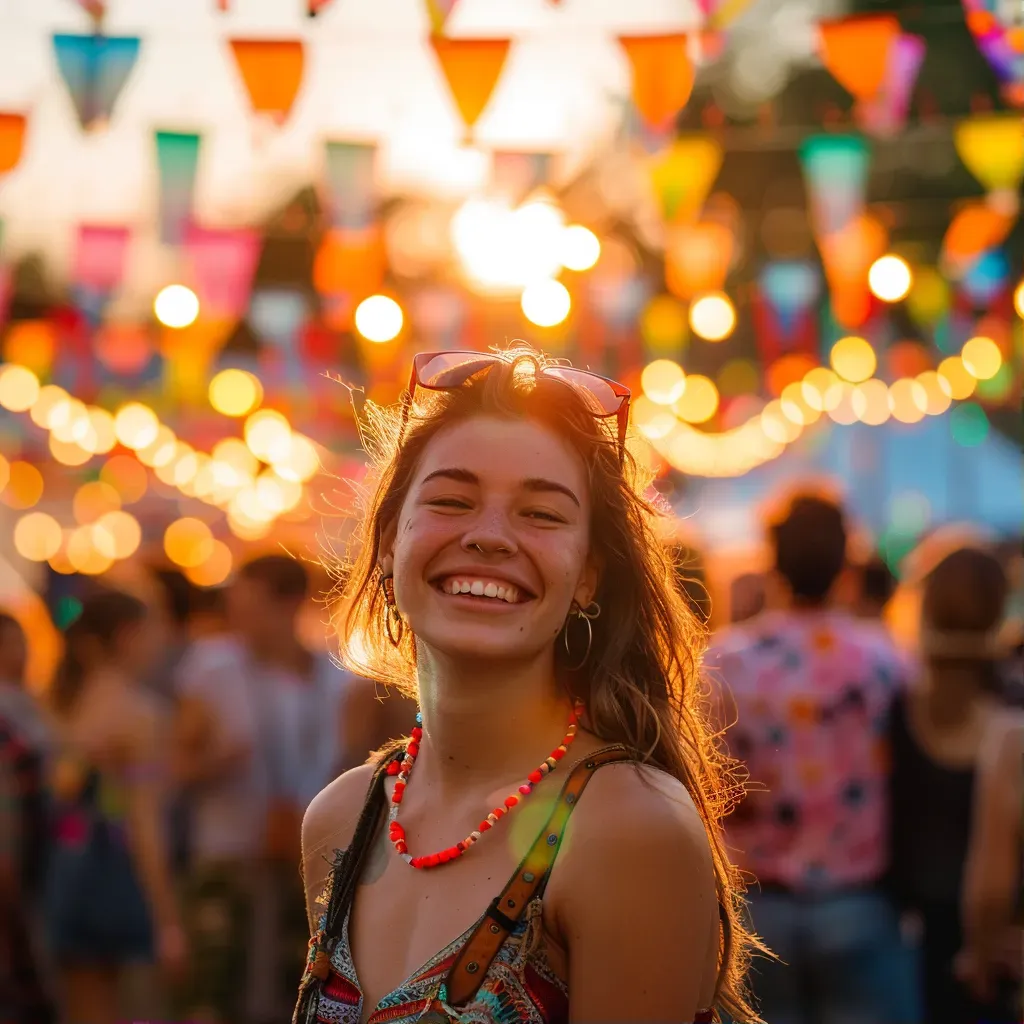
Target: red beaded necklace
x,y
403,769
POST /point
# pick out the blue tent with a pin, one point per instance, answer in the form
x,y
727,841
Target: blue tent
x,y
882,470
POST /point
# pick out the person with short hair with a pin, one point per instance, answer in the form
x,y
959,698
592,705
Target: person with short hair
x,y
807,690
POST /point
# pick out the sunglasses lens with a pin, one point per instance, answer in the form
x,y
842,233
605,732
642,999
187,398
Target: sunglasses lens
x,y
598,388
451,369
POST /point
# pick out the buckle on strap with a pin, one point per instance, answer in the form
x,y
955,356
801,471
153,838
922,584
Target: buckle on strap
x,y
496,915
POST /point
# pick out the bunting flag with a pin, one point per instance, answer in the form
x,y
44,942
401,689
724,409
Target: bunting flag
x,y
96,9
221,265
885,114
663,76
100,257
697,258
6,292
351,188
682,175
847,254
992,149
722,13
856,51
514,175
835,170
314,7
471,68
789,289
438,12
1001,41
272,72
95,69
278,315
12,140
350,262
177,156
975,229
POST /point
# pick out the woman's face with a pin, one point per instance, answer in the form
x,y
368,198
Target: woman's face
x,y
499,508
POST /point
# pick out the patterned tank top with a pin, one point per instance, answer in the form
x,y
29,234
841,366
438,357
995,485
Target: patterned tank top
x,y
518,984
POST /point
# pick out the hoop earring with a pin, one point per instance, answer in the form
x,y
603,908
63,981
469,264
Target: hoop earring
x,y
588,614
392,616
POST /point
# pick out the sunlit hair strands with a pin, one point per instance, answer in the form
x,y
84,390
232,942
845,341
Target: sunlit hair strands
x,y
640,684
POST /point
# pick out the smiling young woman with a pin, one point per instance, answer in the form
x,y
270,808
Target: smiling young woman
x,y
508,574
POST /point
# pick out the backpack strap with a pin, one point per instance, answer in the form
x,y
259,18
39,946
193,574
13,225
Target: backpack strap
x,y
503,914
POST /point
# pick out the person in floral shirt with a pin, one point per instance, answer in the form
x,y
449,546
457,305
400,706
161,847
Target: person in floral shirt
x,y
806,689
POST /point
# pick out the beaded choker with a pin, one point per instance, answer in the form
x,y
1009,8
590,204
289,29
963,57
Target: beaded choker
x,y
403,769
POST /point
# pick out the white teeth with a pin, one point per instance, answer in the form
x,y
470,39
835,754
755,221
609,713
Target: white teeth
x,y
480,589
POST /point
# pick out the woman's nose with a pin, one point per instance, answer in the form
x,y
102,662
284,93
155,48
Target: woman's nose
x,y
490,535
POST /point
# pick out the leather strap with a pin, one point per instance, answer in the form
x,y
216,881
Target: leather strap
x,y
502,916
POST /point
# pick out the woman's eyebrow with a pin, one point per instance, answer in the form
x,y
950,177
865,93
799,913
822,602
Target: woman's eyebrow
x,y
535,483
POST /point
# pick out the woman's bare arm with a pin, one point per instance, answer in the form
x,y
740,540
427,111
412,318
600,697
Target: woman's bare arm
x,y
637,906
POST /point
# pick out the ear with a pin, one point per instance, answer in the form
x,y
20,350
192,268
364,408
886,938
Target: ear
x,y
386,551
589,581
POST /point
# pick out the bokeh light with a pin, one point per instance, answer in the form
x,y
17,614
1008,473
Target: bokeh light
x,y
101,436
379,318
699,401
24,485
961,382
776,425
938,394
818,385
870,402
127,477
49,402
136,425
83,554
235,392
176,306
652,420
795,406
579,248
93,500
19,388
713,317
117,534
268,435
663,324
188,542
68,453
215,569
889,278
908,400
546,303
853,359
37,536
663,381
997,388
839,404
1018,299
981,357
968,424
300,462
160,450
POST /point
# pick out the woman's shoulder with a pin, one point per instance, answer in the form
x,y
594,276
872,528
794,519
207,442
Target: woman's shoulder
x,y
330,820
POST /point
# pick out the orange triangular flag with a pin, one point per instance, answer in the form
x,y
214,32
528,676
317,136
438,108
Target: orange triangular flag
x,y
663,76
472,68
272,72
856,51
12,140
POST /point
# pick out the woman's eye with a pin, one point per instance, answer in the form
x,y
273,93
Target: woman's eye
x,y
549,517
448,503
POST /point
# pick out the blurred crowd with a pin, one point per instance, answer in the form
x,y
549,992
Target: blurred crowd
x,y
151,799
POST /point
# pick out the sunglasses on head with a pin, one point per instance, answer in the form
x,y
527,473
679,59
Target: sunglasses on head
x,y
447,371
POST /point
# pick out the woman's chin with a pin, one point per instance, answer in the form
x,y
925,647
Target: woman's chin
x,y
477,643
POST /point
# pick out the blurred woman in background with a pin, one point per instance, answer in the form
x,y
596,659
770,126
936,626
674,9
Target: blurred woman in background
x,y
938,734
109,898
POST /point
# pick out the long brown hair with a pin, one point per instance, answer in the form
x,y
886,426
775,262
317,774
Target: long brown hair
x,y
641,684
